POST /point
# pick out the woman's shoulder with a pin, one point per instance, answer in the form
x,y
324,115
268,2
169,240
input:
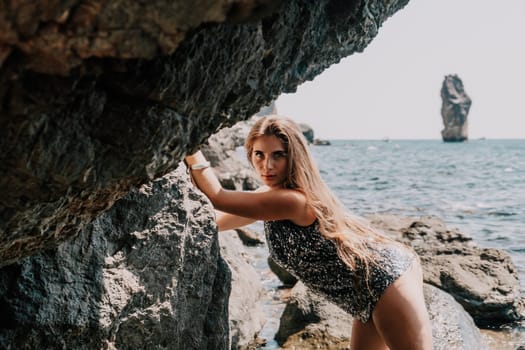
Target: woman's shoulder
x,y
290,192
294,203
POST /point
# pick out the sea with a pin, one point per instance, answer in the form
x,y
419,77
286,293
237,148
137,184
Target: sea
x,y
477,187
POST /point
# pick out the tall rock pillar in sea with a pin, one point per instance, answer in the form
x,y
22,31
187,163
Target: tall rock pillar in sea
x,y
454,110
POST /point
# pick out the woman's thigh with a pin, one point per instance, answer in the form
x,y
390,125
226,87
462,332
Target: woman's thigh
x,y
400,316
365,337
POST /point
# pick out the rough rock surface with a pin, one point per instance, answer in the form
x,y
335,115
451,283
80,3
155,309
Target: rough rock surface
x,y
145,275
311,322
233,172
483,280
99,97
454,109
245,306
284,276
307,131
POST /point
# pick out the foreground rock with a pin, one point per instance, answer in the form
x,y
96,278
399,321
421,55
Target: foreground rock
x,y
145,275
233,172
100,97
245,305
311,322
454,110
483,280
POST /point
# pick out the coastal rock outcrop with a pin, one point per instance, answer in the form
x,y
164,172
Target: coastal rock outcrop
x,y
146,274
454,109
100,100
307,131
221,151
483,280
311,322
98,97
245,304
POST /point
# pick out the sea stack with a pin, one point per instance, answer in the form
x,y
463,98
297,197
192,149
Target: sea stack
x,y
454,110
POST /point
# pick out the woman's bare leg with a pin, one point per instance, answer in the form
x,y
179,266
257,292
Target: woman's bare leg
x,y
400,316
365,337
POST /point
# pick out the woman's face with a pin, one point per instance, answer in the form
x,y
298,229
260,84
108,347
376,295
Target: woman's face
x,y
270,160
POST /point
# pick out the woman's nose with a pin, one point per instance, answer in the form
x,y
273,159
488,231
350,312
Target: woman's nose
x,y
269,163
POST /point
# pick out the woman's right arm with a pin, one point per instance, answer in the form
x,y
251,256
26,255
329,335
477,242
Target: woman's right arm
x,y
279,204
227,221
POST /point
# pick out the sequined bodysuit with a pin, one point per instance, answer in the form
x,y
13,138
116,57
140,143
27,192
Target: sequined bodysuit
x,y
313,259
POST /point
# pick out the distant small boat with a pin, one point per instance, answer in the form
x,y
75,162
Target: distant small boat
x,y
386,139
319,142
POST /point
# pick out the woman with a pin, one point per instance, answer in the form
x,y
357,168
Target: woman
x,y
310,234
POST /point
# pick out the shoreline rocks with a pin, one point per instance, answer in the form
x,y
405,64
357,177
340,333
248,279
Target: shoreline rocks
x,y
246,317
311,322
146,274
483,280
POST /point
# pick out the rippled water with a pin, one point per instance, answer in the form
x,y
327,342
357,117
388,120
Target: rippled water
x,y
477,187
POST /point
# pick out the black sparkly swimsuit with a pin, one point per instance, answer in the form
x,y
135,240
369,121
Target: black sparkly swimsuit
x,y
313,259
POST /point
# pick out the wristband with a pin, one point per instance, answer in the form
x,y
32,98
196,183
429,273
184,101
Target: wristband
x,y
200,166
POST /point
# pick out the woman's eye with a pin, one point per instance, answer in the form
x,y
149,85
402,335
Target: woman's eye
x,y
279,155
258,154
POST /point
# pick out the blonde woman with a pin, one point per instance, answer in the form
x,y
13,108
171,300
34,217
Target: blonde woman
x,y
310,234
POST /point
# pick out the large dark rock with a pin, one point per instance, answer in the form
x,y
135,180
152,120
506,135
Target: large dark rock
x,y
483,280
145,275
99,97
454,109
311,322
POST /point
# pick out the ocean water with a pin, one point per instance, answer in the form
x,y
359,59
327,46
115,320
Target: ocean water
x,y
477,187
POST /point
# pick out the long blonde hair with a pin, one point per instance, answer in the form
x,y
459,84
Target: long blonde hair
x,y
350,233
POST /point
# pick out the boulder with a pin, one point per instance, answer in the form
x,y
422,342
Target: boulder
x,y
101,97
249,237
307,131
284,276
245,305
221,150
483,280
146,274
454,109
311,322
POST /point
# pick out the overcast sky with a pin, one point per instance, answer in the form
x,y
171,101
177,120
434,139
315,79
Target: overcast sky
x,y
392,89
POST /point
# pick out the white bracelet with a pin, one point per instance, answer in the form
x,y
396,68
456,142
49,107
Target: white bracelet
x,y
200,166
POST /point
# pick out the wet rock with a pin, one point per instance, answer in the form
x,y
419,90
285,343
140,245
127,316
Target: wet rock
x,y
454,109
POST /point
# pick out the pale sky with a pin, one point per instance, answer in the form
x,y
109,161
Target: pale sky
x,y
392,89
